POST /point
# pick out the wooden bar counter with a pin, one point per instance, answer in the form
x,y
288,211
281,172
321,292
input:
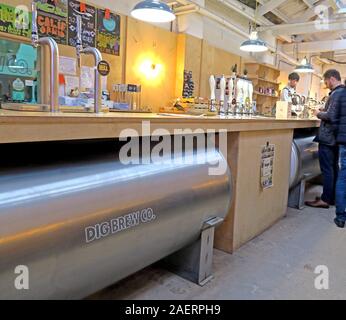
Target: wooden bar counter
x,y
253,209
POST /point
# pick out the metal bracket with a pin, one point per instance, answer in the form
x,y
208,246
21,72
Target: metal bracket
x,y
297,195
194,262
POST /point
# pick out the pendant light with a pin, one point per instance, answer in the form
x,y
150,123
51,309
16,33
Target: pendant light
x,y
254,44
305,66
153,11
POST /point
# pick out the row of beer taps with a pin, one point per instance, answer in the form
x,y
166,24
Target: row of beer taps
x,y
239,100
54,61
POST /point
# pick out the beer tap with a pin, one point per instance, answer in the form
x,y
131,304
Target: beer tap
x,y
230,109
212,83
54,59
97,58
222,110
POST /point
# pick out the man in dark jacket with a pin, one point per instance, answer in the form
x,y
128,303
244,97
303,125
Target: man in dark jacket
x,y
339,121
328,148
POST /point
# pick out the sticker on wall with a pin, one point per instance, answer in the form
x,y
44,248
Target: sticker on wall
x,y
52,19
16,21
267,166
108,32
88,14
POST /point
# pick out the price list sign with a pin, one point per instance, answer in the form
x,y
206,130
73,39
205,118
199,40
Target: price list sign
x,y
108,32
52,19
88,14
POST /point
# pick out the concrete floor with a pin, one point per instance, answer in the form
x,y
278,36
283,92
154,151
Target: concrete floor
x,y
279,264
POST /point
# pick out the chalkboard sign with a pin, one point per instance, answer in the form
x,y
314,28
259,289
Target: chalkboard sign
x,y
52,19
108,32
16,21
88,24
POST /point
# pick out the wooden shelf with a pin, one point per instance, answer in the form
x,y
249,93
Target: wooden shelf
x,y
265,95
264,80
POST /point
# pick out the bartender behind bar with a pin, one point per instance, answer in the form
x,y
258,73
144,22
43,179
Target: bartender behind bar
x,y
290,90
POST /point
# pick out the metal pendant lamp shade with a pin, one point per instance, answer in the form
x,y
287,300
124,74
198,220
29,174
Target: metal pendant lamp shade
x,y
153,11
254,44
304,67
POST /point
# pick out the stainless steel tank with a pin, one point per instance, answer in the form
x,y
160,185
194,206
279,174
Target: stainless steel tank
x,y
81,225
304,160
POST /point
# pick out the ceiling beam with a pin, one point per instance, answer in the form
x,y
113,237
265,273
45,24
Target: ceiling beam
x,y
269,6
310,27
316,46
312,11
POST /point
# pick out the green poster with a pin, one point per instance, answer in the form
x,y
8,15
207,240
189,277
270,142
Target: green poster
x,y
16,21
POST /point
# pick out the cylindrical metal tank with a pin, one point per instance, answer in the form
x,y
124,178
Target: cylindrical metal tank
x,y
304,159
81,225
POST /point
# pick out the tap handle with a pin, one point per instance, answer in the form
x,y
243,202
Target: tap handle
x,y
34,29
222,88
79,30
212,84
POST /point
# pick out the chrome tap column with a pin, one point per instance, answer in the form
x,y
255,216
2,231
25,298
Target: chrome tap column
x,y
54,59
97,57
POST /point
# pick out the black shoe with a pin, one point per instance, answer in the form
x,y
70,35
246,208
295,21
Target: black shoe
x,y
339,223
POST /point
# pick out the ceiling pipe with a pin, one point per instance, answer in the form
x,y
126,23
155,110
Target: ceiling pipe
x,y
206,13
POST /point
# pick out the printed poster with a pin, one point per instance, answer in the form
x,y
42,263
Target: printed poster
x,y
108,32
267,166
88,24
52,19
16,21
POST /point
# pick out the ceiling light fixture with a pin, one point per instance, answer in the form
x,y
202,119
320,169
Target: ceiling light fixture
x,y
305,66
254,44
153,11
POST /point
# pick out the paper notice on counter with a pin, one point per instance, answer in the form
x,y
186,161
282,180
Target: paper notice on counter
x,y
71,83
68,66
87,77
267,166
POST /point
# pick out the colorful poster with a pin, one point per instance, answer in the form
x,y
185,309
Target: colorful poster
x,y
108,32
88,24
16,21
52,19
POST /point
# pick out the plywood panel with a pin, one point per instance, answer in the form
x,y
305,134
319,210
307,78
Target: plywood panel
x,y
217,62
254,210
149,45
193,60
258,209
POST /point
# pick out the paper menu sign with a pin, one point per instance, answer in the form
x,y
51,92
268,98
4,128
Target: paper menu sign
x,y
267,166
68,66
71,83
87,77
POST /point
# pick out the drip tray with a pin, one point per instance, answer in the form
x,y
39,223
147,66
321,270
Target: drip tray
x,y
25,107
46,108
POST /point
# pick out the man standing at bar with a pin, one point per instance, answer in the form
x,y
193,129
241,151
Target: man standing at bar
x,y
328,148
290,90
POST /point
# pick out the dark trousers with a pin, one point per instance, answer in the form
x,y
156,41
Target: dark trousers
x,y
329,162
341,186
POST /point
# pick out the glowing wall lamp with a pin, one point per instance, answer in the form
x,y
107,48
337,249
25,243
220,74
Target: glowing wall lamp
x,y
153,11
150,70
